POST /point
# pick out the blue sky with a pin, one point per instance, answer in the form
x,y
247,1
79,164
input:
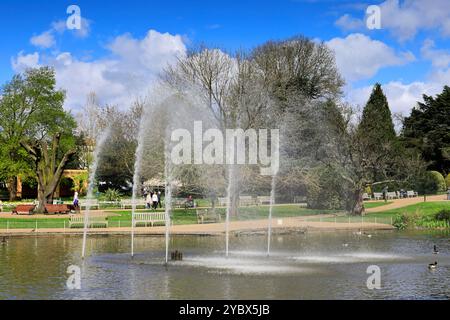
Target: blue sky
x,y
409,55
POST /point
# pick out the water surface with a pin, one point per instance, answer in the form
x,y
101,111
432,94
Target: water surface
x,y
303,266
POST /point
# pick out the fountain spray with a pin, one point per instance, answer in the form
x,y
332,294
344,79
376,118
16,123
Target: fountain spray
x,y
90,193
168,197
136,177
272,202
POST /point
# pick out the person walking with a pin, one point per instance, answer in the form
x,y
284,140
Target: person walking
x,y
155,201
159,199
76,203
148,201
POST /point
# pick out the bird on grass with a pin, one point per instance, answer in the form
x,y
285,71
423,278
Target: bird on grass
x,y
432,266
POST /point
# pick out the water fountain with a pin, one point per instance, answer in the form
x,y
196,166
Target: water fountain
x,y
90,193
272,202
168,197
137,173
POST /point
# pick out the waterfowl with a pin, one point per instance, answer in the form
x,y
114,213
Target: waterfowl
x,y
432,266
435,250
345,245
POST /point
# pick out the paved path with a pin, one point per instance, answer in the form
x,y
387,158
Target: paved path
x,y
400,203
285,224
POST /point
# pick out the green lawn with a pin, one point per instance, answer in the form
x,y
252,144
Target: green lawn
x,y
423,208
179,217
182,217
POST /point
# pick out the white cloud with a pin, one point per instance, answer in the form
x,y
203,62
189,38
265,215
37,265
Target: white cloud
x,y
349,23
359,57
402,97
45,40
25,61
127,72
439,58
405,19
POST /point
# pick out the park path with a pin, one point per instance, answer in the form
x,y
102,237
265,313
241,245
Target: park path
x,y
400,203
284,224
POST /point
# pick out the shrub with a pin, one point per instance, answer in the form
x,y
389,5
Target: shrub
x,y
401,221
327,191
443,215
440,181
447,181
112,195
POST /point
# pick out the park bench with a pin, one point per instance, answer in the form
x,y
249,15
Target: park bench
x,y
411,194
128,203
378,196
58,208
263,200
178,202
109,204
24,209
366,197
246,201
91,203
96,221
392,195
222,202
208,216
149,218
300,199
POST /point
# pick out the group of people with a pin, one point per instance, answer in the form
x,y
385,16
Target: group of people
x,y
153,200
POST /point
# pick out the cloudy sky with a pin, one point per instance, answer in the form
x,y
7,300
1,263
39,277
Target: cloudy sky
x,y
123,45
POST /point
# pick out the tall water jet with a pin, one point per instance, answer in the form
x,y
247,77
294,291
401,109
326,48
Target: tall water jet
x,y
272,202
136,176
90,192
230,192
167,198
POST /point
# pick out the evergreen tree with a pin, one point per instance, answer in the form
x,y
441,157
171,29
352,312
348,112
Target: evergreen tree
x,y
376,135
427,129
376,123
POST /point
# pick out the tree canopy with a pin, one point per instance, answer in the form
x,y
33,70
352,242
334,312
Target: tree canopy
x,y
427,129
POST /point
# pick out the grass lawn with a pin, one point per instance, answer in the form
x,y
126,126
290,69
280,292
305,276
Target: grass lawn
x,y
423,208
182,217
179,217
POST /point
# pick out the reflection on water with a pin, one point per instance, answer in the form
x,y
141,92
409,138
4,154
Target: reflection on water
x,y
304,266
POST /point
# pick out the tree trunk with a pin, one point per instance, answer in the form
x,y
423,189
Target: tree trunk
x,y
358,203
12,188
41,200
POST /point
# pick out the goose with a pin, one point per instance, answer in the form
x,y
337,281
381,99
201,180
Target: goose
x,y
435,250
432,266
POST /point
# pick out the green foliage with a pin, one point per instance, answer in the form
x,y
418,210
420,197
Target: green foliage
x,y
427,183
443,215
376,123
112,195
427,130
80,183
36,133
440,181
327,192
401,221
447,181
